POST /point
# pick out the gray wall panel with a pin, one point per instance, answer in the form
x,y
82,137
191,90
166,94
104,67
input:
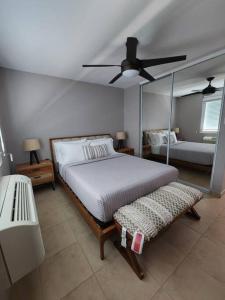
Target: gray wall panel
x,y
43,107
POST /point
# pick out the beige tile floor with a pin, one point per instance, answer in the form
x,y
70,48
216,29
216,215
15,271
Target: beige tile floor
x,y
194,176
187,262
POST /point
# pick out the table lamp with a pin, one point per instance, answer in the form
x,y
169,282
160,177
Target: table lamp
x,y
121,136
177,130
32,145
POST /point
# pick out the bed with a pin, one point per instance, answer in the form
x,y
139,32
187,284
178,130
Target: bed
x,y
101,186
183,153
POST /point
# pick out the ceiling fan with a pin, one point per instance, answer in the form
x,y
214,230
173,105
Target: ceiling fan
x,y
208,90
131,66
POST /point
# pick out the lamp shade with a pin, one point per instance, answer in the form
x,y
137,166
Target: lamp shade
x,y
31,144
177,130
121,135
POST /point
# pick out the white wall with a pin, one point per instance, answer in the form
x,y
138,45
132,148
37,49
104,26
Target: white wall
x,y
43,107
131,116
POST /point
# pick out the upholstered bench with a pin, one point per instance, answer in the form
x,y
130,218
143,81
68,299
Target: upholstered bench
x,y
152,214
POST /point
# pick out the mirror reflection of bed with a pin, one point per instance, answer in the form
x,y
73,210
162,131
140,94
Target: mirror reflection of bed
x,y
193,117
193,159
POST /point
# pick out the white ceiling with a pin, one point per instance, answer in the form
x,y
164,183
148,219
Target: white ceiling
x,y
190,79
55,37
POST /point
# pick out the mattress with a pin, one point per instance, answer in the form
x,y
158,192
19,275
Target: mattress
x,y
199,153
104,185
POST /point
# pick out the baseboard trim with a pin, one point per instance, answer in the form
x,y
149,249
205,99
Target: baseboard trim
x,y
222,193
218,195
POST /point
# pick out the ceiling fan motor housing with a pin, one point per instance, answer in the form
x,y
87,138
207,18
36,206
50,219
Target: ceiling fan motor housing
x,y
129,69
126,65
209,90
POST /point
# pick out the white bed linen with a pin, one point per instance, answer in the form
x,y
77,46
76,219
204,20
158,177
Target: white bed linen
x,y
106,184
198,153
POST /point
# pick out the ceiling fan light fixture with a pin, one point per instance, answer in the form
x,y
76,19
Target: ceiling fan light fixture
x,y
130,73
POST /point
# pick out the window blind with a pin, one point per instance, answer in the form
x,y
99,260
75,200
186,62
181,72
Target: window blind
x,y
211,114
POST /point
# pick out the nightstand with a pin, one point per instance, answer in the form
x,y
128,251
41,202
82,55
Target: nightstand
x,y
38,173
146,150
126,150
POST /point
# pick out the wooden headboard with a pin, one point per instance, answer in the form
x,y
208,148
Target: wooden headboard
x,y
155,130
72,138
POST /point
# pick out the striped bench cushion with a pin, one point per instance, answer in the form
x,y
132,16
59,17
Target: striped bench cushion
x,y
152,213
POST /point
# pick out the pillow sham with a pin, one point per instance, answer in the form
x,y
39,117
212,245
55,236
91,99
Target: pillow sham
x,y
107,141
172,137
58,146
72,152
93,152
156,139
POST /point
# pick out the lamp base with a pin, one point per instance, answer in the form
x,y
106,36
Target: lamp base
x,y
34,156
120,144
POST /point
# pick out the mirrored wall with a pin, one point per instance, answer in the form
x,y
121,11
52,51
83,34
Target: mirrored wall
x,y
181,118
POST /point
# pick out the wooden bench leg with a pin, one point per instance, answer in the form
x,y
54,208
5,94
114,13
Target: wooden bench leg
x,y
103,236
101,245
130,257
193,213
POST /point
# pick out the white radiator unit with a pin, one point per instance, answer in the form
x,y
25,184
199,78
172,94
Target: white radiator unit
x,y
21,245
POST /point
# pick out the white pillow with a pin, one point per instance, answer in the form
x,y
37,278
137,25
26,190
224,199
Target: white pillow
x,y
156,139
165,138
173,138
107,141
59,145
72,152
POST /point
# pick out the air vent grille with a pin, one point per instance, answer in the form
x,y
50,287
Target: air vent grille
x,y
21,206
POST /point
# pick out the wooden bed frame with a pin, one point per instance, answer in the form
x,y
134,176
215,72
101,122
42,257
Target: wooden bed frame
x,y
102,232
105,230
180,163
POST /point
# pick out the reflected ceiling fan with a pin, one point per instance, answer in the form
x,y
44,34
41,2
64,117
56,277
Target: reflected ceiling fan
x,y
208,90
131,66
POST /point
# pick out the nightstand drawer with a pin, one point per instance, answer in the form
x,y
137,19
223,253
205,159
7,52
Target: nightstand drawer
x,y
38,173
126,150
41,178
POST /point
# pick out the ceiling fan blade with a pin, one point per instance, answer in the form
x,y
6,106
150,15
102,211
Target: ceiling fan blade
x,y
131,48
115,78
100,66
194,93
160,61
146,75
189,94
